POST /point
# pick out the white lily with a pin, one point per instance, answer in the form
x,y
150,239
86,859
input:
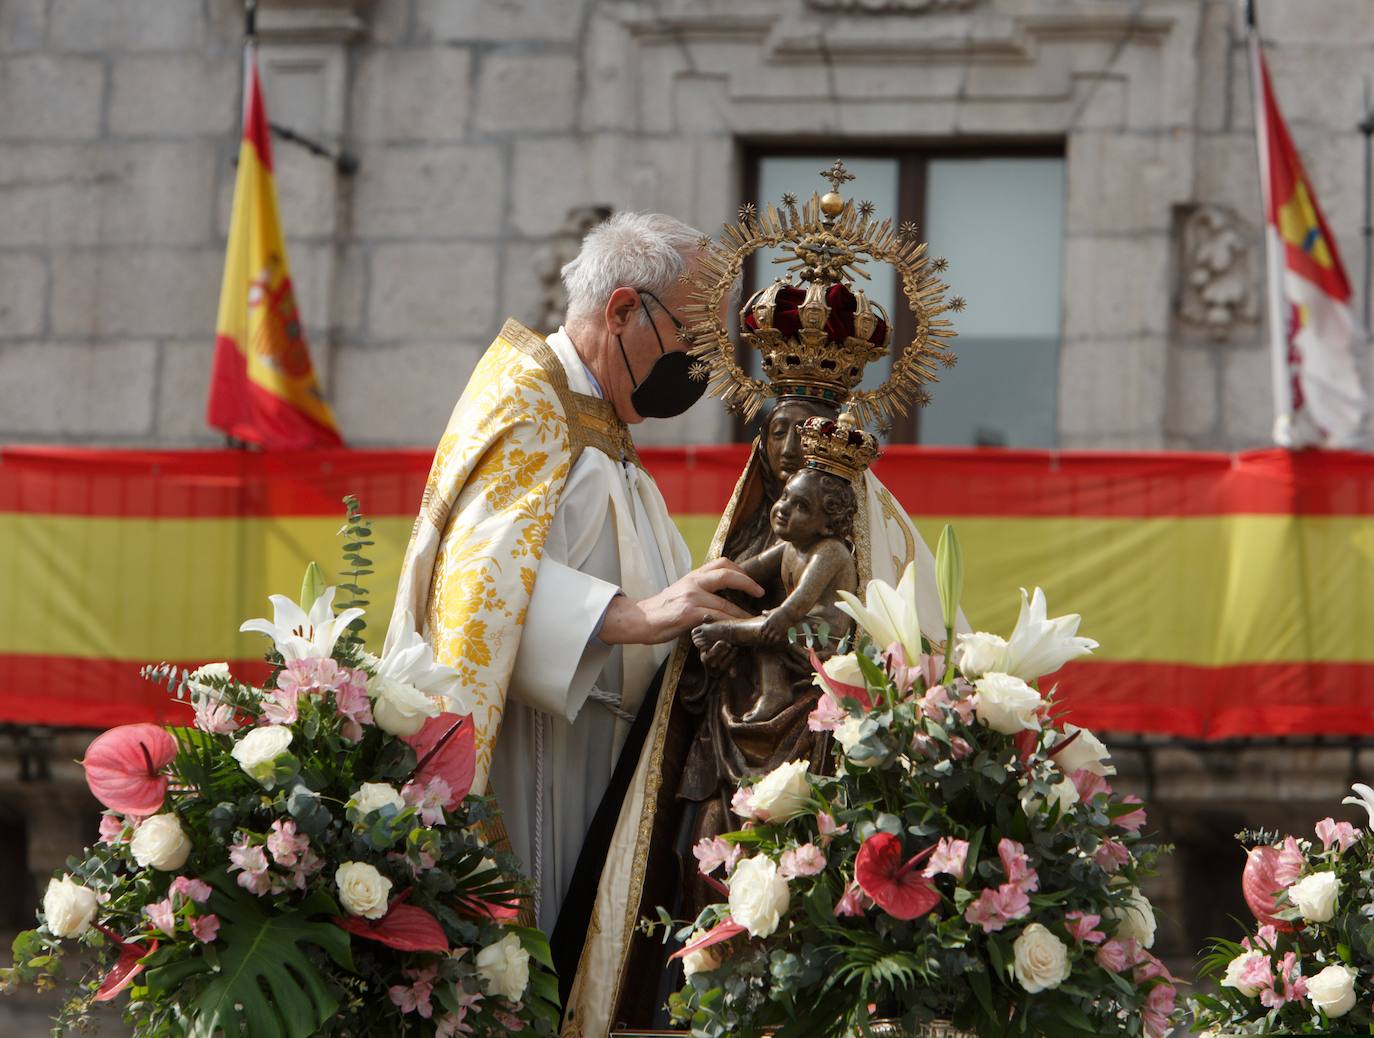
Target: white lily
x,y
409,686
299,635
1364,799
1040,645
888,614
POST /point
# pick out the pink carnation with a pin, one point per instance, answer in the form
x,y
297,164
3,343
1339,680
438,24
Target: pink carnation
x,y
1081,925
827,716
1343,834
994,909
711,854
947,859
205,928
806,860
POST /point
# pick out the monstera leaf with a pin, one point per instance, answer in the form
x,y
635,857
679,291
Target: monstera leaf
x,y
263,985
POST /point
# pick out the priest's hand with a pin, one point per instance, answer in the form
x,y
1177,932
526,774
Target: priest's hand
x,y
679,607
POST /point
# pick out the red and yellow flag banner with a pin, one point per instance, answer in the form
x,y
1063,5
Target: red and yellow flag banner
x,y
263,388
1231,594
1318,397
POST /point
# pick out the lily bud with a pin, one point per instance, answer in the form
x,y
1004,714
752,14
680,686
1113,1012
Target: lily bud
x,y
312,586
949,574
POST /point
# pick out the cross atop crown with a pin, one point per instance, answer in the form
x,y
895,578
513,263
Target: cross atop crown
x,y
837,175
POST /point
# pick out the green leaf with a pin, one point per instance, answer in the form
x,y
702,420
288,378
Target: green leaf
x,y
949,573
265,985
312,586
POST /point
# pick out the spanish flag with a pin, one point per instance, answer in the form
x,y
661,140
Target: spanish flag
x,y
1318,395
263,388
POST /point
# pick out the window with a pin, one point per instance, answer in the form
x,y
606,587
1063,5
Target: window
x,y
997,215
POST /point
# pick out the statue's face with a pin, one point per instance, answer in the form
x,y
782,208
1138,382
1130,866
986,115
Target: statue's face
x,y
799,514
781,437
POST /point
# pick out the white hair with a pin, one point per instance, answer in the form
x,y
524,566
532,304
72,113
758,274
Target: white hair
x,y
646,251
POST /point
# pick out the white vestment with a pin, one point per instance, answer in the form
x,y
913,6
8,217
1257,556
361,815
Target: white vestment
x,y
570,695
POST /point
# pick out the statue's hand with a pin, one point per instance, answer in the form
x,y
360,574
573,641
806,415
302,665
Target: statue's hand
x,y
720,656
776,624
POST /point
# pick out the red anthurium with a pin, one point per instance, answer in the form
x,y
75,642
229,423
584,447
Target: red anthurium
x,y
1260,886
896,887
838,689
404,927
445,748
126,969
722,931
1025,743
124,768
500,907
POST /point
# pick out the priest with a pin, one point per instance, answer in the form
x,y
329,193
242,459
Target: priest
x,y
544,566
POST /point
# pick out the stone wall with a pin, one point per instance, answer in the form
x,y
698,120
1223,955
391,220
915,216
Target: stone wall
x,y
481,126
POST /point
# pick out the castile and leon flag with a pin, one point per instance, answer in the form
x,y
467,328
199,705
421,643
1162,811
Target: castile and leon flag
x,y
263,388
1317,342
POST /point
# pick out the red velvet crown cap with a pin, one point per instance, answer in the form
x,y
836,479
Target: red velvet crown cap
x,y
838,326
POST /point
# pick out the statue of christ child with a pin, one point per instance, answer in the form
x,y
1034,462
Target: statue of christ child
x,y
813,520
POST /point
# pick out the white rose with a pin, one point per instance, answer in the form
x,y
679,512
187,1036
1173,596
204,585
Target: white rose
x,y
399,708
1333,990
1007,704
1065,793
362,889
210,670
257,752
373,796
849,735
758,895
844,669
703,960
1042,959
1315,896
161,844
69,907
1086,753
1235,969
504,968
1135,919
978,653
782,794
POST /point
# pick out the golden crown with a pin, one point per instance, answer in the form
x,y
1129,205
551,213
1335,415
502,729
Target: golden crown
x,y
838,447
817,332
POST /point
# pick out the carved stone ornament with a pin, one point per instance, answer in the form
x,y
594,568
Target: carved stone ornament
x,y
553,298
1217,284
891,6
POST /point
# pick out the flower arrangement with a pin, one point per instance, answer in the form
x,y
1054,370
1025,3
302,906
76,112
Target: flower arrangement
x,y
305,859
1309,967
966,860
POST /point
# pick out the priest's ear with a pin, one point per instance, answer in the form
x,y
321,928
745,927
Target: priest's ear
x,y
621,308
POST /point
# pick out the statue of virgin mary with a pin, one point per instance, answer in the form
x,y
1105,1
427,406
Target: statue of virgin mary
x,y
690,748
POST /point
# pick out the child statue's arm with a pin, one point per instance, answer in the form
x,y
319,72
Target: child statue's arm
x,y
824,563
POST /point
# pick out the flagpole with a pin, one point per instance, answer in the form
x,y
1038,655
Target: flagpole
x,y
1366,127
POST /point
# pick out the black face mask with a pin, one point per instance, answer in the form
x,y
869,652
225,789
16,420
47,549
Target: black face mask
x,y
669,389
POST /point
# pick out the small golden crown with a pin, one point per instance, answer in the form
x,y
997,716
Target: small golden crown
x,y
841,447
814,341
